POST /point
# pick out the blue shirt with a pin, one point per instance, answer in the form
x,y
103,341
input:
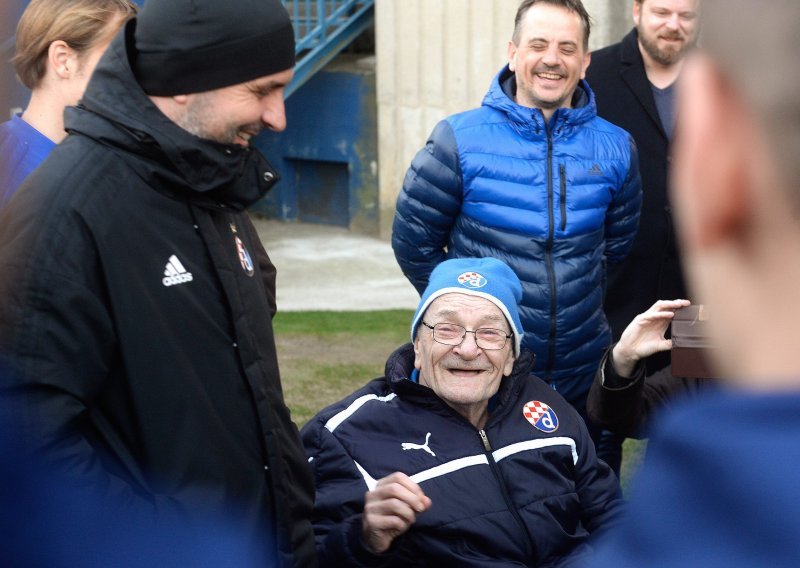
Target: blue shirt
x,y
22,149
719,487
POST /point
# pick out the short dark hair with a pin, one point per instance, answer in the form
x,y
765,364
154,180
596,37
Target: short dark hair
x,y
575,6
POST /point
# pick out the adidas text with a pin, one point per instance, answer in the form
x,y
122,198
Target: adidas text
x,y
179,279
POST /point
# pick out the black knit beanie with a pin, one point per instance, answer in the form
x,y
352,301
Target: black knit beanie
x,y
192,46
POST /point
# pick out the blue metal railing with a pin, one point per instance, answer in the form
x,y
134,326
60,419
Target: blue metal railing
x,y
323,28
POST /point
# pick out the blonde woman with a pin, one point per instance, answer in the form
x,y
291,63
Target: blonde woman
x,y
58,44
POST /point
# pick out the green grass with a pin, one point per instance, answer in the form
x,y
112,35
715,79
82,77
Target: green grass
x,y
632,455
325,356
393,324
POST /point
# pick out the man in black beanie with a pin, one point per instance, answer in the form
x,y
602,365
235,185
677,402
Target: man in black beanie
x,y
137,298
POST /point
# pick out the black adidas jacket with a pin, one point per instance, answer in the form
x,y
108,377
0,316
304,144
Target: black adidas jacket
x,y
528,490
136,321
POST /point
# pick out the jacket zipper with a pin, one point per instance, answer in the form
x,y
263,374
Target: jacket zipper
x,y
562,175
551,275
504,491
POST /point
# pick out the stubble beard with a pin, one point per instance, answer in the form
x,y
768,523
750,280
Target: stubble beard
x,y
544,104
196,121
665,57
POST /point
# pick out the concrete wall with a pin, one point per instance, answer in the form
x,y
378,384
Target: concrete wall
x,y
437,57
327,156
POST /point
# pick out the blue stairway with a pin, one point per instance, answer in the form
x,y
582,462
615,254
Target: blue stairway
x,y
323,28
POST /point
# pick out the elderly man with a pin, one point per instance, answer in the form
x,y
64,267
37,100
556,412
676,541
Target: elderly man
x,y
136,295
719,487
465,457
535,178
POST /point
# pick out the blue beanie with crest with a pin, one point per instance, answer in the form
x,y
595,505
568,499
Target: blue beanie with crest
x,y
486,278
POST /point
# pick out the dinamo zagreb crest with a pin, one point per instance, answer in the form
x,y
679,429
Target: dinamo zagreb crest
x,y
244,257
541,416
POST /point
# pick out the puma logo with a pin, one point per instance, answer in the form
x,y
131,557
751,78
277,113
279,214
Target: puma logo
x,y
412,446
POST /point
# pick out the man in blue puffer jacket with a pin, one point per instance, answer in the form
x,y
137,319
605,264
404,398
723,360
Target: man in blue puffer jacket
x,y
535,178
458,456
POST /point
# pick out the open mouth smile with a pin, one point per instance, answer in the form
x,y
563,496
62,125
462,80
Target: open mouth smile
x,y
245,137
549,76
466,372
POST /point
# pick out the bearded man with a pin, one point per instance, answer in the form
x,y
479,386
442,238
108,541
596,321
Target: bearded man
x,y
634,84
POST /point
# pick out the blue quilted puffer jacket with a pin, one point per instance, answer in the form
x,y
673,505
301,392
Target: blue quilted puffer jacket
x,y
556,201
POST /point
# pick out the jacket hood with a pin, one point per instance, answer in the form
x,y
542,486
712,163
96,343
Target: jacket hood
x,y
116,112
501,97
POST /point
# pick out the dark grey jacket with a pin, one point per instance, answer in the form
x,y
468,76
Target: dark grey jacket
x,y
652,270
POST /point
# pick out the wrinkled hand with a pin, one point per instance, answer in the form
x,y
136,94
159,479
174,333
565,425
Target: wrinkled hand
x,y
390,509
645,336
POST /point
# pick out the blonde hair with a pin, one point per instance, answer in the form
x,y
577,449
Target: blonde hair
x,y
81,24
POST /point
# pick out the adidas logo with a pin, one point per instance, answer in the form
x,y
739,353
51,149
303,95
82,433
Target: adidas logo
x,y
175,273
595,170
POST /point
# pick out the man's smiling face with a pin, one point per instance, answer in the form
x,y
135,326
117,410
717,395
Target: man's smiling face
x,y
548,57
667,29
235,114
464,376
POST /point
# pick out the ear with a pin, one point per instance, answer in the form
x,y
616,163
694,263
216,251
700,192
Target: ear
x,y
512,55
636,12
182,99
711,176
417,354
62,59
509,364
587,59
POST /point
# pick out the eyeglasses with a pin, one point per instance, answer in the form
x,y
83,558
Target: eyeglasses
x,y
453,334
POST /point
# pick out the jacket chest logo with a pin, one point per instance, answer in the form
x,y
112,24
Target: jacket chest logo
x,y
541,416
244,257
175,273
424,447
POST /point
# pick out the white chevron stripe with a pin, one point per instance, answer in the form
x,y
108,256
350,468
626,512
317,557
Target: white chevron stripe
x,y
336,420
536,445
449,467
469,461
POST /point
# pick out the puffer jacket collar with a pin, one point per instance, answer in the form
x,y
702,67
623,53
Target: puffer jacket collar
x,y
500,97
116,112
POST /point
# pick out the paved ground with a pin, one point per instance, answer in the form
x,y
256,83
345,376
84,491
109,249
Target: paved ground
x,y
329,268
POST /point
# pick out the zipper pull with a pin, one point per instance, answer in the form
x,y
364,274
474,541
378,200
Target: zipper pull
x,y
485,441
233,227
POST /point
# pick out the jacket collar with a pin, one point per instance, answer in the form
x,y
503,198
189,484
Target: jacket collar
x,y
118,113
635,76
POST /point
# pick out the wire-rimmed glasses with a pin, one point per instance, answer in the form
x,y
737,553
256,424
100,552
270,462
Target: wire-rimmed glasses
x,y
454,334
